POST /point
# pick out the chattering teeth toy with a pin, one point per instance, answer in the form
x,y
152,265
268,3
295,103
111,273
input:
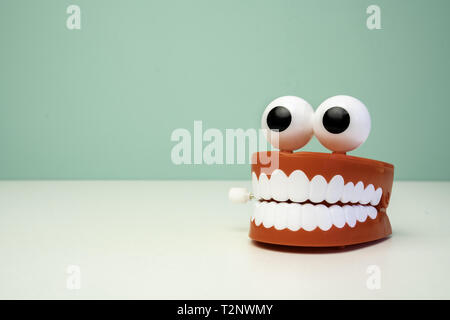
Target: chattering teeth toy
x,y
311,198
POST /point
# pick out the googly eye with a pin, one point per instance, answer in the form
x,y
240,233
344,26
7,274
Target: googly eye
x,y
288,123
341,123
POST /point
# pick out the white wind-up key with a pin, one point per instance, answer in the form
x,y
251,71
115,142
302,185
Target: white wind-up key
x,y
239,195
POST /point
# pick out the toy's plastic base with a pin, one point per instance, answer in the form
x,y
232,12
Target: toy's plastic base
x,y
369,230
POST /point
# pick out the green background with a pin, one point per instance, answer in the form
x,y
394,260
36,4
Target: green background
x,y
102,102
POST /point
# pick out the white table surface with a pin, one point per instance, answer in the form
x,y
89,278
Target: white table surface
x,y
183,239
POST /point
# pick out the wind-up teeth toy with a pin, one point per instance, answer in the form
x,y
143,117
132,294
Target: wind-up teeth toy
x,y
311,198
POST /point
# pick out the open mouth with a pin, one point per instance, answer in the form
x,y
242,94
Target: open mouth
x,y
321,199
297,203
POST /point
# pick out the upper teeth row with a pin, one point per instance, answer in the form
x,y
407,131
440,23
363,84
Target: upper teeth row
x,y
298,188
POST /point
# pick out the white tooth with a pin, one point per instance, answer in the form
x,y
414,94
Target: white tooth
x,y
371,212
361,213
350,215
337,216
264,187
376,197
366,211
255,185
259,212
357,193
335,189
347,193
281,216
294,216
298,186
278,185
323,217
255,208
269,214
309,217
317,189
367,194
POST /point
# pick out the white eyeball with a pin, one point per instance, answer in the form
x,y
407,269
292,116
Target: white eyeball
x,y
288,123
342,123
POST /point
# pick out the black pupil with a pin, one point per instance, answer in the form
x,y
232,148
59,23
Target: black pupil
x,y
279,119
336,120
